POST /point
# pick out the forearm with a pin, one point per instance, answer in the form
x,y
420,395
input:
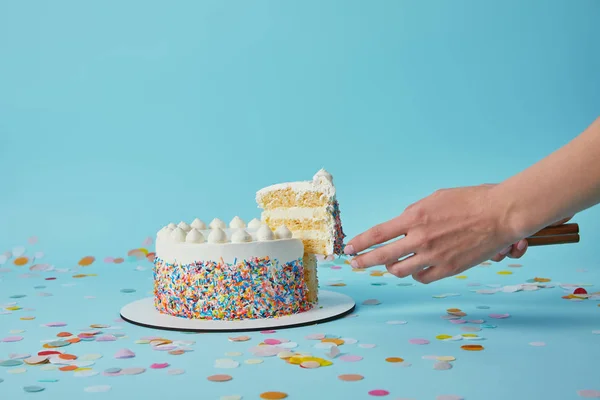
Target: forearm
x,y
560,185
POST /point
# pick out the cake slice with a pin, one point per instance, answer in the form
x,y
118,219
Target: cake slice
x,y
309,209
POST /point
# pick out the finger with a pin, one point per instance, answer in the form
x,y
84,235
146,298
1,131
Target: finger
x,y
407,267
383,255
431,274
502,254
519,249
376,235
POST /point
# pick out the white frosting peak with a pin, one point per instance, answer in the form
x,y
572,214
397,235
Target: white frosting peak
x,y
264,233
178,235
240,236
323,177
237,222
198,224
217,235
254,224
184,226
172,226
283,232
217,223
194,236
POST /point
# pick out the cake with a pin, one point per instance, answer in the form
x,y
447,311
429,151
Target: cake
x,y
264,269
228,273
307,208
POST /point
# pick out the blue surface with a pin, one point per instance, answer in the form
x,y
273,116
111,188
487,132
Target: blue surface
x,y
117,118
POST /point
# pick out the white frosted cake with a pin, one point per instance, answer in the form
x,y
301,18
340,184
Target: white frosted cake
x,y
230,273
265,269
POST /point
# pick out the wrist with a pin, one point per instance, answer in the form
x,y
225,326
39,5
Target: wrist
x,y
516,217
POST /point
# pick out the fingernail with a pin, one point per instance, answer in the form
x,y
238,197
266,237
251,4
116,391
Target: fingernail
x,y
349,249
354,264
521,245
506,250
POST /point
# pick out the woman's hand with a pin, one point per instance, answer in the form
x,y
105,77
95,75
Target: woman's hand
x,y
517,250
444,234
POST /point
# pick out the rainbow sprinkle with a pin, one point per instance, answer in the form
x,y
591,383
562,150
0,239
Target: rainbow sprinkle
x,y
246,289
338,245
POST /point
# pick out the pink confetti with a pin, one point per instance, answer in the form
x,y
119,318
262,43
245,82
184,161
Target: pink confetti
x,y
109,260
418,341
537,344
33,240
106,338
272,341
379,392
457,321
315,336
55,324
159,365
147,241
124,353
336,267
12,339
589,394
267,332
499,316
350,358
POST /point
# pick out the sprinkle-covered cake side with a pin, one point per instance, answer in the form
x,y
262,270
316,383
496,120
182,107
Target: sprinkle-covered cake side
x,y
230,272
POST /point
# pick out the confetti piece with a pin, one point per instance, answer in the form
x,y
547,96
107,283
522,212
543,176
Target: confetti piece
x,y
449,397
367,345
239,339
219,378
36,360
133,371
446,358
537,344
589,394
11,363
504,272
97,389
310,364
159,365
419,341
20,261
16,371
273,395
442,366
394,359
127,290
86,261
396,322
350,377
472,347
10,339
350,358
176,371
226,363
124,353
378,392
253,361
33,389
371,302
499,316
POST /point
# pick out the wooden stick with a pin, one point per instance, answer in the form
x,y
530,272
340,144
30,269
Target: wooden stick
x,y
549,240
565,229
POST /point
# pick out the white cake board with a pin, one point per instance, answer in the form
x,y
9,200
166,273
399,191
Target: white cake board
x,y
331,306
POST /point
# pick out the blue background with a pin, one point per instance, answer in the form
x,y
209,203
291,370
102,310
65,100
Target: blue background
x,y
119,117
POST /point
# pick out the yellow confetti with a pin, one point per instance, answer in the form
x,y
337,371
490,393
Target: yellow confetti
x,y
443,337
469,335
504,272
446,358
541,280
461,277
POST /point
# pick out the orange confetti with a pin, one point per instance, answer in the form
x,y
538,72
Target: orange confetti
x,y
67,368
27,318
150,257
64,334
350,377
472,347
20,261
219,378
87,261
394,359
118,260
541,279
74,340
67,356
338,342
273,395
